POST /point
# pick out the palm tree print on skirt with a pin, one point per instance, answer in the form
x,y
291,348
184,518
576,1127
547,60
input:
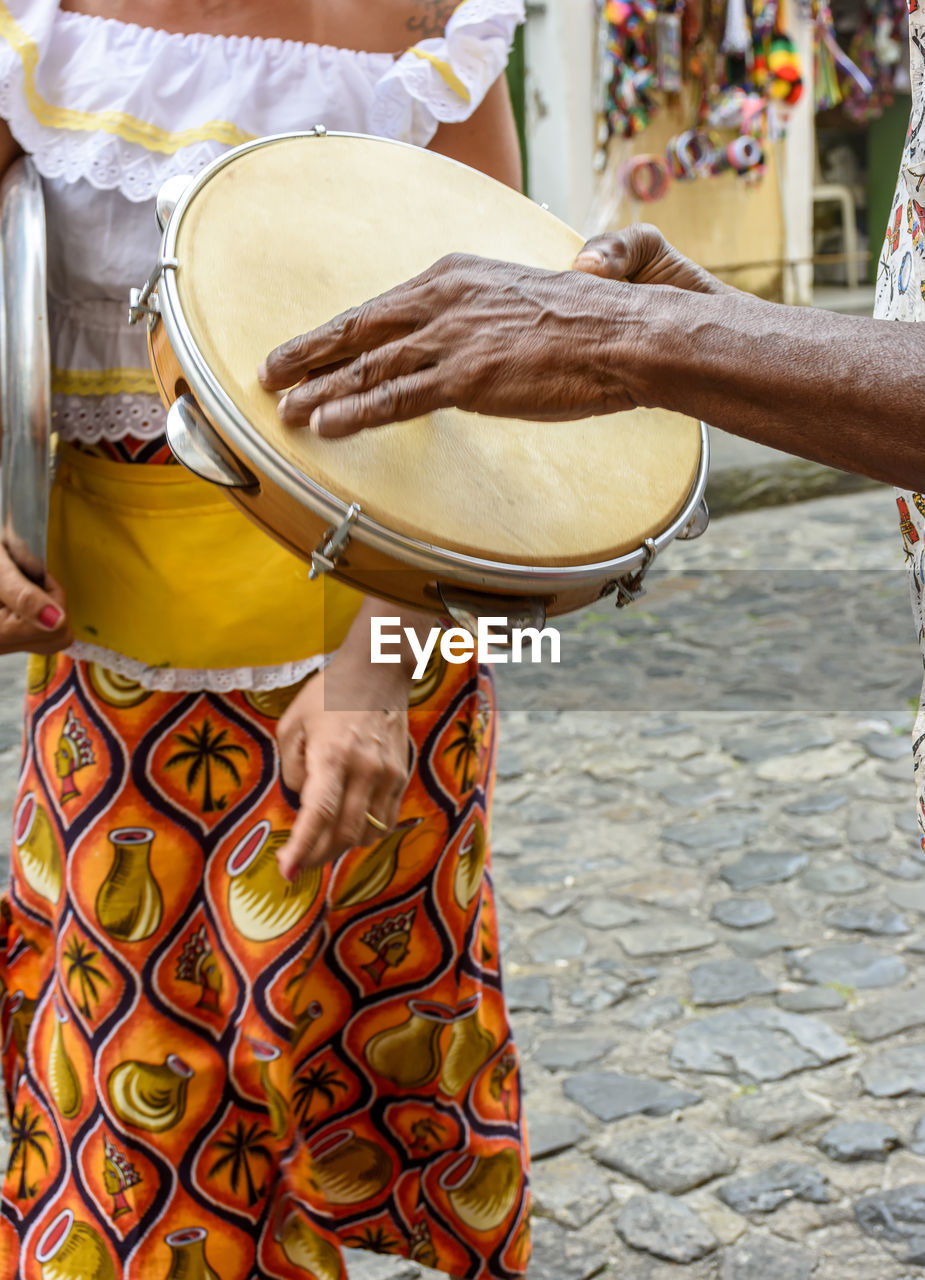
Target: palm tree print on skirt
x,y
214,1072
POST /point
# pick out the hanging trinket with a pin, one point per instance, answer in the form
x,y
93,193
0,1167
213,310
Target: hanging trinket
x,y
737,34
830,61
646,178
743,156
627,71
878,52
690,155
668,51
785,73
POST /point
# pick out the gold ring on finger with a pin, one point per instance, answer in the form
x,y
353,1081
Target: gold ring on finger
x,y
374,822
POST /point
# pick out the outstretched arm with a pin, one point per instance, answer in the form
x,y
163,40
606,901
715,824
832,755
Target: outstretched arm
x,y
637,325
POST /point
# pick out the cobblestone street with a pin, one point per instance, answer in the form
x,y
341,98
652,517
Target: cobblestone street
x,y
712,904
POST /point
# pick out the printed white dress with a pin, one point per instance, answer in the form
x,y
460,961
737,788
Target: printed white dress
x,y
901,296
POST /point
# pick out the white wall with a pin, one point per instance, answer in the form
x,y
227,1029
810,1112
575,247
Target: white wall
x,y
798,169
561,105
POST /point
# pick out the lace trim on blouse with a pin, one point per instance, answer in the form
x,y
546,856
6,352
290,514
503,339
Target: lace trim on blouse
x,y
83,419
191,97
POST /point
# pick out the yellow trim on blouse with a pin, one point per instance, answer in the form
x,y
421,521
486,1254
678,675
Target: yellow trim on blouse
x,y
445,71
103,382
140,132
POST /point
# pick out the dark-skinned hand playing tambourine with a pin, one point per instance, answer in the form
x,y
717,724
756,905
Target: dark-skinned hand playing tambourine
x,y
490,337
636,324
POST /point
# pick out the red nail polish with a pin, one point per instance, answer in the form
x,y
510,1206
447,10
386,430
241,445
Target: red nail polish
x,y
50,617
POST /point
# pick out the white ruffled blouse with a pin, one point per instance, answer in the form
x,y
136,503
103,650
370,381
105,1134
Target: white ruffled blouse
x,y
109,110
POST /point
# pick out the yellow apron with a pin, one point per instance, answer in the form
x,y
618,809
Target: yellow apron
x,y
161,567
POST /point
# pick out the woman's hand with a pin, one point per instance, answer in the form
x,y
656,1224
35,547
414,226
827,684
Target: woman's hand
x,y
32,619
491,337
345,764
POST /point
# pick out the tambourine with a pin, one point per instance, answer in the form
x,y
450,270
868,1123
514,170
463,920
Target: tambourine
x,y
454,512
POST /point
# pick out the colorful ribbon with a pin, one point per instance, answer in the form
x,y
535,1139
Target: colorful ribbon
x,y
627,57
831,61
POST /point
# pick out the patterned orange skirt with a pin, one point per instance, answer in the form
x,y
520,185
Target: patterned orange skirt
x,y
212,1073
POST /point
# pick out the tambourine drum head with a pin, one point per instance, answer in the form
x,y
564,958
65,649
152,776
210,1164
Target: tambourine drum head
x,y
291,233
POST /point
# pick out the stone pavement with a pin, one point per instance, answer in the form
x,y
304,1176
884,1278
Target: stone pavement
x,y
744,476
713,907
712,902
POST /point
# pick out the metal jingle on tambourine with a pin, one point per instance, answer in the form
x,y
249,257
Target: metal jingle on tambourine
x,y
698,523
467,607
169,196
196,444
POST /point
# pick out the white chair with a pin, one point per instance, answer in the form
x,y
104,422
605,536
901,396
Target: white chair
x,y
835,193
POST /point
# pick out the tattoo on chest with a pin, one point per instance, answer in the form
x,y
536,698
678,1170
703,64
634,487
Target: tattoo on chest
x,y
430,17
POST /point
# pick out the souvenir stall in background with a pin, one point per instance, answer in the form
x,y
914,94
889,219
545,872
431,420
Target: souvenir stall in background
x,y
860,137
694,110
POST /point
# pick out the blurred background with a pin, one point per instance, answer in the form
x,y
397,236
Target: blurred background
x,y
609,94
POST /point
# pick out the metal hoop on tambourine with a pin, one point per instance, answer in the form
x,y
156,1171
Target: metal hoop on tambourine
x,y
455,513
25,394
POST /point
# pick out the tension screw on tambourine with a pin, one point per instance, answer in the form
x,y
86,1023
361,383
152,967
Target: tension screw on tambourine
x,y
140,299
630,588
333,544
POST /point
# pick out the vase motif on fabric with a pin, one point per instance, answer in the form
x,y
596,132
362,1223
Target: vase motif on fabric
x,y
252,1045
129,905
